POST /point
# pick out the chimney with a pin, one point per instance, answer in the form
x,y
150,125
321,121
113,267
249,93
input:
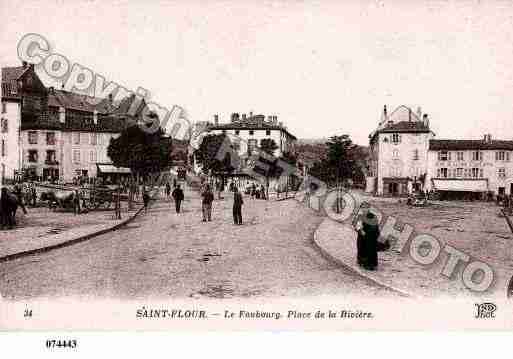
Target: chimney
x,y
250,114
425,120
216,119
270,119
62,115
275,120
95,117
243,116
487,138
280,124
419,113
110,97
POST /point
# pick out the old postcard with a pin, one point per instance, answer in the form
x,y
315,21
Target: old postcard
x,y
247,165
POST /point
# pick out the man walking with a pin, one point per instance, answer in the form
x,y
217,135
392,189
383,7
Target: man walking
x,y
237,206
178,197
206,203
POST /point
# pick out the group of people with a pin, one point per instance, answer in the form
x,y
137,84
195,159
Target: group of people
x,y
256,192
207,197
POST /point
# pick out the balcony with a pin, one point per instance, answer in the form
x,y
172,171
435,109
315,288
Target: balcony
x,y
51,162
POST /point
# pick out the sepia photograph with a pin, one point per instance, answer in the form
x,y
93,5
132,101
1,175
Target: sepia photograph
x,y
256,165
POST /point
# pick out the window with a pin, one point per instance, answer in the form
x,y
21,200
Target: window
x,y
501,172
237,132
442,173
396,138
443,156
3,149
32,155
94,139
4,107
480,173
499,156
50,157
475,172
92,156
459,155
268,132
76,138
507,156
395,154
252,144
415,154
477,156
3,124
50,138
251,132
76,156
459,172
32,137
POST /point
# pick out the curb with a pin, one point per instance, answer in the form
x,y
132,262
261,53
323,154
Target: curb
x,y
354,269
71,241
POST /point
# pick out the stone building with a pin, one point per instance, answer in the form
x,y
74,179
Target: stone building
x,y
48,133
405,157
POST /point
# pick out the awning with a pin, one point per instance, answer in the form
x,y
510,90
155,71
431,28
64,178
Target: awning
x,y
109,169
463,185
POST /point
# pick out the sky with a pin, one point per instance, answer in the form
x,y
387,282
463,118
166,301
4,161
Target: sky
x,y
323,67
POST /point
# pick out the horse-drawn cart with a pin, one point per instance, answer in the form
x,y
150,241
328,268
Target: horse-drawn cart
x,y
100,198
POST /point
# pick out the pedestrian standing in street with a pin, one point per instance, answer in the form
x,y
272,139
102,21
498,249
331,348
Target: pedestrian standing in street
x,y
168,190
367,242
206,203
237,206
178,197
146,198
262,191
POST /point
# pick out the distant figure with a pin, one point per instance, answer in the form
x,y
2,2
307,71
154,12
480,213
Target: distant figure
x,y
237,206
206,203
174,182
168,190
33,195
262,191
253,191
146,199
19,194
178,197
367,242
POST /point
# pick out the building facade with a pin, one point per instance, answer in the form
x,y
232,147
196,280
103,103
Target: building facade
x,y
54,134
248,132
405,157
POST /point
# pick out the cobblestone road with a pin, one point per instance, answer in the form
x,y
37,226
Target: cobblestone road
x,y
162,254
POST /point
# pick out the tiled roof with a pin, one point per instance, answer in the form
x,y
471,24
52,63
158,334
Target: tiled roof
x,y
405,126
251,123
462,145
9,83
106,123
13,73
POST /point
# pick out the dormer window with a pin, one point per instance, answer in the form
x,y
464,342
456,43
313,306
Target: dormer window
x,y
396,138
251,132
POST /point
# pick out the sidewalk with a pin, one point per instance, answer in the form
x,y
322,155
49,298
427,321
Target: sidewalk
x,y
41,229
400,272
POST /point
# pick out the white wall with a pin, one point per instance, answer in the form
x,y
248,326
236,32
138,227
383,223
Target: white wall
x,y
11,160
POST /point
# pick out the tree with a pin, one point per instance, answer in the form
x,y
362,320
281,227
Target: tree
x,y
268,145
209,151
144,153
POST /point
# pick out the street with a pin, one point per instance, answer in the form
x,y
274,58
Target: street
x,y
163,254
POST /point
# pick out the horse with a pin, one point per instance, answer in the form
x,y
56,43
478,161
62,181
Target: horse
x,y
61,199
9,203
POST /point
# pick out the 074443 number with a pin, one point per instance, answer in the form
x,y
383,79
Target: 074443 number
x,y
59,343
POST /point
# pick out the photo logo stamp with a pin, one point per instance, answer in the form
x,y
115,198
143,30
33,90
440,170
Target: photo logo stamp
x,y
485,310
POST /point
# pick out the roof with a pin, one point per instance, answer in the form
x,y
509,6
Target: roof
x,y
9,83
106,123
251,123
462,145
405,126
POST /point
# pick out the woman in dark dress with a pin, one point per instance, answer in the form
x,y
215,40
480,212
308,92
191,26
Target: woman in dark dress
x,y
367,242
